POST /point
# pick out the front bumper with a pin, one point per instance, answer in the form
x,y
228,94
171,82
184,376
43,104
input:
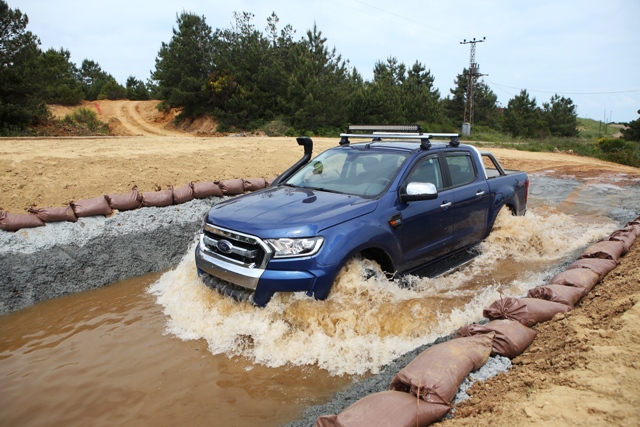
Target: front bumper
x,y
289,275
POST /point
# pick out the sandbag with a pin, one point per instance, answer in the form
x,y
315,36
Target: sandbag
x,y
269,181
627,237
386,409
126,201
568,295
582,278
55,214
527,311
635,225
600,266
202,190
183,194
605,249
510,340
91,207
436,374
158,199
14,222
254,184
231,187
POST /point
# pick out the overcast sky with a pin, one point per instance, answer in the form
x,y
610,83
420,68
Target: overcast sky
x,y
586,50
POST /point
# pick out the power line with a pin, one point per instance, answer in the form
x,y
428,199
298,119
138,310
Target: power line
x,y
566,93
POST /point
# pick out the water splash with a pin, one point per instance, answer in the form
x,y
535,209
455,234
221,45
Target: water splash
x,y
367,322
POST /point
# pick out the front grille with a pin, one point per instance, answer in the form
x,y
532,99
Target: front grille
x,y
241,248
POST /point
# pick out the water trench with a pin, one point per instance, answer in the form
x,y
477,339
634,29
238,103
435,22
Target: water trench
x,y
165,350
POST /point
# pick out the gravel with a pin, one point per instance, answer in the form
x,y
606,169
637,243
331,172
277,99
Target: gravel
x,y
63,257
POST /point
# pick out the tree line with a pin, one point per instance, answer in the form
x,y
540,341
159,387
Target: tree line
x,y
260,79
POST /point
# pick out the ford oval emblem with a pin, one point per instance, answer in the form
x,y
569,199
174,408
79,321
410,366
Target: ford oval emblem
x,y
225,246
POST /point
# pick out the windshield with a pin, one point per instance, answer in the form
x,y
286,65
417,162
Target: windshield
x,y
361,173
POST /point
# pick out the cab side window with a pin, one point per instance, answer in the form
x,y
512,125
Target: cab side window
x,y
461,168
427,170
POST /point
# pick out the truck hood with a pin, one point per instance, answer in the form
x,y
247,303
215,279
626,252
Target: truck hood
x,y
288,212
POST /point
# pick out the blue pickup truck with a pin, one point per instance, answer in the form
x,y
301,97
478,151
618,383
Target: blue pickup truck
x,y
400,198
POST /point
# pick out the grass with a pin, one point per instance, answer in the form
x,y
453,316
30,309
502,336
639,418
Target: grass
x,y
594,140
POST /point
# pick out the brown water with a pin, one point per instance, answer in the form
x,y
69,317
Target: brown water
x,y
165,350
101,358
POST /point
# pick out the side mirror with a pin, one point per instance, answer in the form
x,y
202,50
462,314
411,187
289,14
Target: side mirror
x,y
419,191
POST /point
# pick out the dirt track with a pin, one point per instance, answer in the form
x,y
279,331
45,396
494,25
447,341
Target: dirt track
x,y
594,381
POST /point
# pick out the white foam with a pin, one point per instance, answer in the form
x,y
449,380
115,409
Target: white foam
x,y
365,324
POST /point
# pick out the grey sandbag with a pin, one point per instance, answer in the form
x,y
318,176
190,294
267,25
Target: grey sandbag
x,y
91,207
568,295
254,184
125,202
605,249
65,213
231,187
600,266
202,190
527,311
510,340
158,199
436,374
626,236
386,409
14,222
183,194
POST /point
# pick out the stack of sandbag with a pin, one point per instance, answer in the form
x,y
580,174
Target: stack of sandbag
x,y
104,205
569,286
421,393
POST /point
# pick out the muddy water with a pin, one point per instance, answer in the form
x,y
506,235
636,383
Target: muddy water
x,y
165,350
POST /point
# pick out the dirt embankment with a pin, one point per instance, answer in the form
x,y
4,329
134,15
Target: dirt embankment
x,y
581,370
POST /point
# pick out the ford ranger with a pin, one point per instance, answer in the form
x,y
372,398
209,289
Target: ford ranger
x,y
399,198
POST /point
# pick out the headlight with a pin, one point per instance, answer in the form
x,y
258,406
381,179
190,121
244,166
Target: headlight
x,y
288,248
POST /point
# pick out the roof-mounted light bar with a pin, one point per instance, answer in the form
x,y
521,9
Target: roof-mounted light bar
x,y
386,128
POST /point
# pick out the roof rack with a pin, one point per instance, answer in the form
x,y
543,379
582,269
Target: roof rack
x,y
401,132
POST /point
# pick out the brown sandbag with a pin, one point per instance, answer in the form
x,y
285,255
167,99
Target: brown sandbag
x,y
436,374
510,340
269,181
386,409
527,311
627,237
158,199
600,266
91,207
55,214
635,225
254,184
568,295
126,201
582,278
231,187
202,190
183,194
605,249
14,222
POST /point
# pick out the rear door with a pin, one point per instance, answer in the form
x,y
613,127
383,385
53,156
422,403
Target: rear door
x,y
427,225
471,199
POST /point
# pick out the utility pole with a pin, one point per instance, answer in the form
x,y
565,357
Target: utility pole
x,y
473,74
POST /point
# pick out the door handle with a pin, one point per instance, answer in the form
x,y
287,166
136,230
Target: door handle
x,y
445,205
480,193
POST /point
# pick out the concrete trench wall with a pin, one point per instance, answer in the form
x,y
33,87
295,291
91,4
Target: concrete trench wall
x,y
37,264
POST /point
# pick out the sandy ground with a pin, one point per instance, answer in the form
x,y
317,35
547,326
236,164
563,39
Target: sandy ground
x,y
583,369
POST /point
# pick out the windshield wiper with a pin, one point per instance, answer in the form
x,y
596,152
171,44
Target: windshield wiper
x,y
327,190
